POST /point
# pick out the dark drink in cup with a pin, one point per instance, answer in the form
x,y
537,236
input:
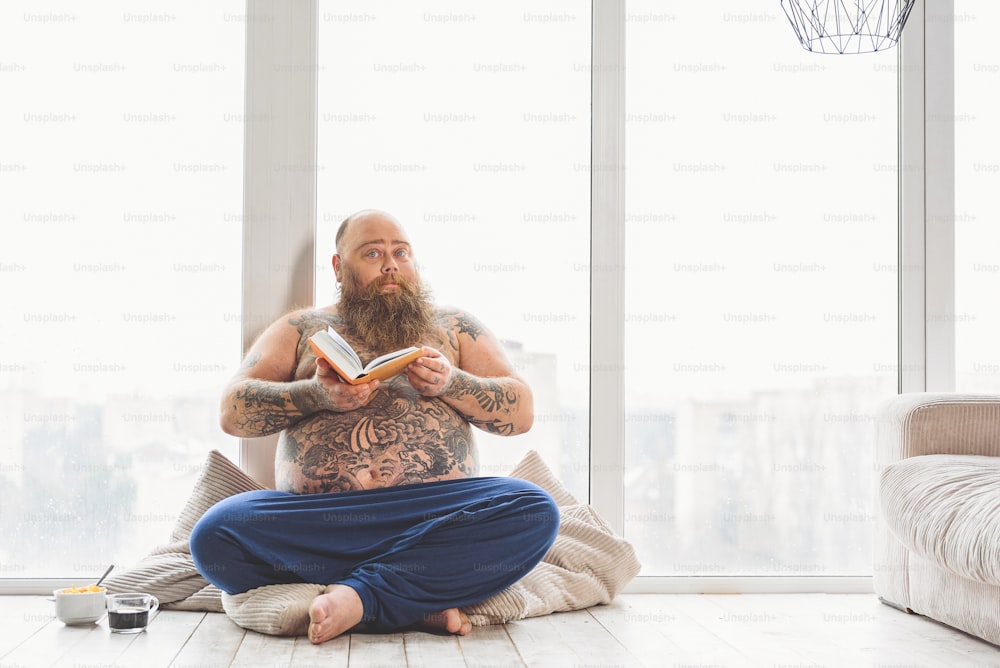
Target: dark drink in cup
x,y
128,619
129,613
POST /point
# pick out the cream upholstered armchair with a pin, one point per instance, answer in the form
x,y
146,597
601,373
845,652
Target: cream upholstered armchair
x,y
937,532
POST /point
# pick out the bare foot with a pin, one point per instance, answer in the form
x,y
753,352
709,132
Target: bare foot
x,y
452,621
333,612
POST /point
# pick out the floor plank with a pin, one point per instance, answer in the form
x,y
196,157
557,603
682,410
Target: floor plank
x,y
22,617
162,640
750,625
759,627
490,647
677,618
263,651
568,639
635,630
428,650
331,654
826,620
214,642
654,630
372,650
54,641
928,642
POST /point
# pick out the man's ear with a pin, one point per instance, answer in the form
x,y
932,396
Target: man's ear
x,y
336,266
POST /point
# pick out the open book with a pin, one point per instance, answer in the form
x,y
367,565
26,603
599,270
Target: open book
x,y
332,347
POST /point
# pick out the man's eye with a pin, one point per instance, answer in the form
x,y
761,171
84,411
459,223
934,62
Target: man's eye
x,y
371,253
402,253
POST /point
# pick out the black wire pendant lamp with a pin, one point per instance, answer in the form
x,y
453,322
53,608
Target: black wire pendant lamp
x,y
847,26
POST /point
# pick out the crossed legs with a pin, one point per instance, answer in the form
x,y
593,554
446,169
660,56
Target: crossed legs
x,y
392,557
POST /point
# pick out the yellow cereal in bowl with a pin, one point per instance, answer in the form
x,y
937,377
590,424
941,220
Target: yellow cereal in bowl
x,y
89,589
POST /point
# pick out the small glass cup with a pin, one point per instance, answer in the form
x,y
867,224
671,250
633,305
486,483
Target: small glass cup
x,y
129,613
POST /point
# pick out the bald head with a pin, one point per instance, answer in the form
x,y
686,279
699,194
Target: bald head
x,y
372,243
361,216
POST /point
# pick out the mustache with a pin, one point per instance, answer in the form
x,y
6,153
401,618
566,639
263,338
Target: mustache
x,y
373,289
392,278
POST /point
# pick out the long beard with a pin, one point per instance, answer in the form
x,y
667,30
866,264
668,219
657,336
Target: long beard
x,y
386,321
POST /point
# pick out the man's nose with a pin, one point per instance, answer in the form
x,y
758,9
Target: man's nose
x,y
389,265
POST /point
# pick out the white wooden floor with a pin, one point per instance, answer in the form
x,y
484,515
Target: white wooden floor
x,y
767,630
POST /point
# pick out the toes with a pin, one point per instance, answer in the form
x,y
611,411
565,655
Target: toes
x,y
457,622
317,617
465,627
319,633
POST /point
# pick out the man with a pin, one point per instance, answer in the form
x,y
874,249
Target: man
x,y
376,489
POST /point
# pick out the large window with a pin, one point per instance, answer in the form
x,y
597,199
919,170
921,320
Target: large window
x,y
977,212
120,272
471,123
761,283
760,268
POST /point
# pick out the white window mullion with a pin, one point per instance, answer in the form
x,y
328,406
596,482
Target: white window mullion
x,y
279,201
912,339
607,300
927,200
939,195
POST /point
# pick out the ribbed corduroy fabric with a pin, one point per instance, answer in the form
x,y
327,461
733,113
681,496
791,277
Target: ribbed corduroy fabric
x,y
937,532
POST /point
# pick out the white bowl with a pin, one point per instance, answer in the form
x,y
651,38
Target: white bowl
x,y
80,607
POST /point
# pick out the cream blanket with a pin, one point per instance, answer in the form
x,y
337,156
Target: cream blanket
x,y
587,564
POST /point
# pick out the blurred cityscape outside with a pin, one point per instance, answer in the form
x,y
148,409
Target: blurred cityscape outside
x,y
778,484
748,448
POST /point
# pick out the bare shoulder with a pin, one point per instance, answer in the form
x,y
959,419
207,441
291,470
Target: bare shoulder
x,y
462,323
303,323
297,325
479,351
307,321
275,353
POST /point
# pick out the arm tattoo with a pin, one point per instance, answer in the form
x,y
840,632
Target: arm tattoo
x,y
454,322
266,408
251,361
493,426
492,397
261,408
468,325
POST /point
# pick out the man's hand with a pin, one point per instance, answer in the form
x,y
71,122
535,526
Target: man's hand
x,y
429,375
338,395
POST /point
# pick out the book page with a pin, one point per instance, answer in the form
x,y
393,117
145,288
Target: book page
x,y
388,356
324,346
343,344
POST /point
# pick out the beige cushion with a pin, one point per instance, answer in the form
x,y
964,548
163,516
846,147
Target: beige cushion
x,y
587,564
219,479
277,610
946,508
169,572
533,469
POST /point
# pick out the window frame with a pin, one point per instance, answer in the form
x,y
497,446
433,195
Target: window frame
x,y
280,211
279,193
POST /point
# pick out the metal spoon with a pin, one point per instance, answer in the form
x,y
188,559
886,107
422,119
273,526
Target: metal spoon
x,y
98,583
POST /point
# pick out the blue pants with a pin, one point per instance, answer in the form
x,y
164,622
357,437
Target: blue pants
x,y
408,551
